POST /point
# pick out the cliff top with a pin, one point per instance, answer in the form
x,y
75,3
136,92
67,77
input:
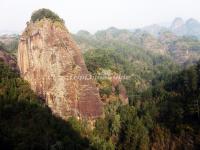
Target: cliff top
x,y
45,13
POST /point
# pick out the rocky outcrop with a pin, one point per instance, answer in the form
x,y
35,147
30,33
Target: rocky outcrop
x,y
51,62
111,86
117,85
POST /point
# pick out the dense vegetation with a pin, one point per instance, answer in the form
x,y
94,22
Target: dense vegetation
x,y
26,123
165,115
45,13
178,104
141,67
163,110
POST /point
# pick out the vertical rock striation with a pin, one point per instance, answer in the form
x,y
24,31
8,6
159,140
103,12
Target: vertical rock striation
x,y
51,62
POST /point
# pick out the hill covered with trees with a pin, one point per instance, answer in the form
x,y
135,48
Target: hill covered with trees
x,y
163,86
168,116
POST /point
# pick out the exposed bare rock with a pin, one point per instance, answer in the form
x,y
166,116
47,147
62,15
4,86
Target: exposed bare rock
x,y
112,80
51,62
117,83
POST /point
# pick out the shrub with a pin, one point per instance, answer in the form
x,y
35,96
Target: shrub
x,y
45,13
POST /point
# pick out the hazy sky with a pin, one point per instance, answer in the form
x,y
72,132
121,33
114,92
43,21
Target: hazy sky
x,y
95,15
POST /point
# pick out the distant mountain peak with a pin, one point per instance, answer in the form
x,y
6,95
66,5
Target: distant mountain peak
x,y
192,22
177,23
83,33
112,28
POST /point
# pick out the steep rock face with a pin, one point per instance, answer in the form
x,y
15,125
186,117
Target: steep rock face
x,y
52,63
117,83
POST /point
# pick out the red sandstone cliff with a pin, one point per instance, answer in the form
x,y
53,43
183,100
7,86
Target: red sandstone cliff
x,y
47,58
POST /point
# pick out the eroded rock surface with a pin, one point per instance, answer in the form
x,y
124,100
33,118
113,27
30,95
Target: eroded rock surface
x,y
50,60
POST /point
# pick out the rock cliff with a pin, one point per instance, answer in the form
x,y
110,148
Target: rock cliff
x,y
51,62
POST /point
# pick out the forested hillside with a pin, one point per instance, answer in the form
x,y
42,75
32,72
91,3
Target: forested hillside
x,y
140,67
26,123
165,115
183,50
163,99
162,88
178,103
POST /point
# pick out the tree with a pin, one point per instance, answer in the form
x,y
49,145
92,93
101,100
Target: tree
x,y
45,13
133,134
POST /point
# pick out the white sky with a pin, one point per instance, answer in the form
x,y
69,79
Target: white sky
x,y
95,15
